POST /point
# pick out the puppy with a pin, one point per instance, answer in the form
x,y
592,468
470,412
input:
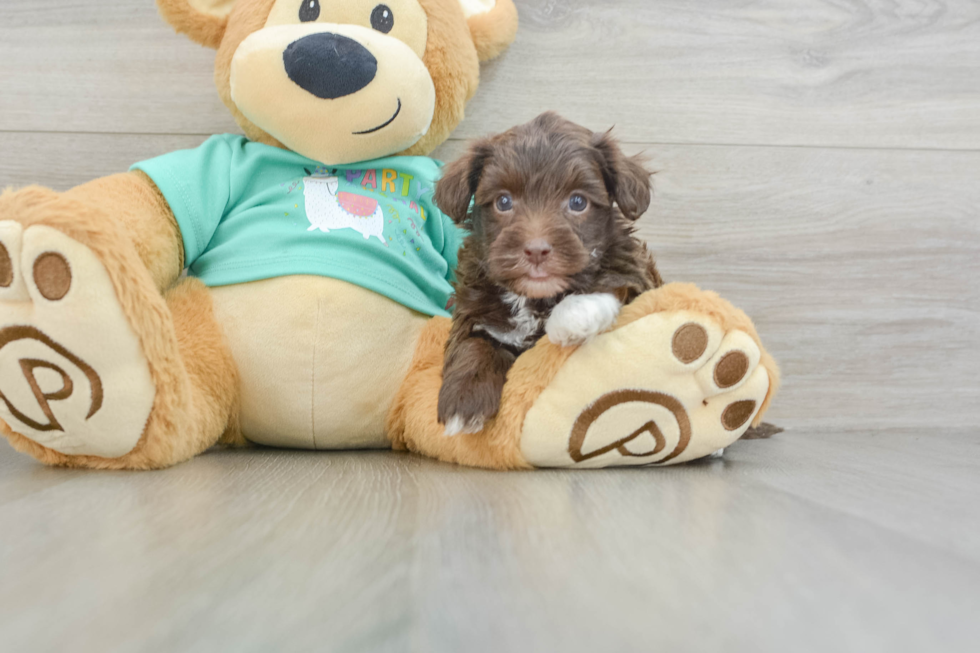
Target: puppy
x,y
550,208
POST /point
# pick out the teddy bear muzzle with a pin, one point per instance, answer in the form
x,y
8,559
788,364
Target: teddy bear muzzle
x,y
334,93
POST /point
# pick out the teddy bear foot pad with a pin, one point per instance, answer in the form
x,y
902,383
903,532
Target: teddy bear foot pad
x,y
692,391
73,376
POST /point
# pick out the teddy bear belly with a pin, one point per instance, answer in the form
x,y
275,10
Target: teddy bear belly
x,y
320,359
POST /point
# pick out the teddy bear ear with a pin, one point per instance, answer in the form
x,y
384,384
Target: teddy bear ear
x,y
493,25
203,21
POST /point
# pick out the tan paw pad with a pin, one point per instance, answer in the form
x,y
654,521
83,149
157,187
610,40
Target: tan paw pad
x,y
52,276
689,343
6,268
737,414
729,367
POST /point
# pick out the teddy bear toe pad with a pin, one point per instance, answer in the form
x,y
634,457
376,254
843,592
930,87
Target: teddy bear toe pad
x,y
665,389
73,376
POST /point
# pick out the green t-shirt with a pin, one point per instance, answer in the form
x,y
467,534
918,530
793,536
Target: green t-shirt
x,y
249,211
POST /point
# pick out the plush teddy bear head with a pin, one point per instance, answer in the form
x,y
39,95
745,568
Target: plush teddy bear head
x,y
341,81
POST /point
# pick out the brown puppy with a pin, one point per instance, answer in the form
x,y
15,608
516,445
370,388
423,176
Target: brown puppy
x,y
550,208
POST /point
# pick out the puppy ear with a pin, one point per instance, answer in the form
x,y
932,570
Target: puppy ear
x,y
627,180
455,190
202,21
493,25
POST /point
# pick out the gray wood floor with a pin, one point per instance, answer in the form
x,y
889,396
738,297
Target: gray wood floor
x,y
819,165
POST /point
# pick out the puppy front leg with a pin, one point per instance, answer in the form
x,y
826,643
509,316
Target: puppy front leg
x,y
579,318
472,381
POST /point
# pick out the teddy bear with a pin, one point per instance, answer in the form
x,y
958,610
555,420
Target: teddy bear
x,y
292,287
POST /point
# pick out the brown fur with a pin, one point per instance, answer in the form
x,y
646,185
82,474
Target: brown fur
x,y
540,165
412,422
139,208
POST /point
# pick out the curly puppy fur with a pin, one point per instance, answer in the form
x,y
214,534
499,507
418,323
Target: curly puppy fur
x,y
550,207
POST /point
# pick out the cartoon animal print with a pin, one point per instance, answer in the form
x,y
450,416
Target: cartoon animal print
x,y
329,208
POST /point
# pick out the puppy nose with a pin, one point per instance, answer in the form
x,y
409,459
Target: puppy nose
x,y
537,251
329,66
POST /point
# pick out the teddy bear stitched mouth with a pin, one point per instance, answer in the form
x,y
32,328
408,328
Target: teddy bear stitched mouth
x,y
383,125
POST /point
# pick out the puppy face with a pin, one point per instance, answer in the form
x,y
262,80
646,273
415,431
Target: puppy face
x,y
549,199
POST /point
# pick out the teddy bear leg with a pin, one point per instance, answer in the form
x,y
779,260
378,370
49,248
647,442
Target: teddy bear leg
x,y
680,376
97,369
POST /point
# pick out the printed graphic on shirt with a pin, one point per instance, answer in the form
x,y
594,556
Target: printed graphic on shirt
x,y
382,203
327,207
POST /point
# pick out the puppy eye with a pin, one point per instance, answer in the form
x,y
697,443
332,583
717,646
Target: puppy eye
x,y
309,10
505,203
382,19
578,203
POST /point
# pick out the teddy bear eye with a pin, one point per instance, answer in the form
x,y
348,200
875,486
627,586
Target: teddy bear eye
x,y
578,203
309,10
382,19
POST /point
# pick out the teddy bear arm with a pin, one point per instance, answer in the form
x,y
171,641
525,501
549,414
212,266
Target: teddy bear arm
x,y
132,201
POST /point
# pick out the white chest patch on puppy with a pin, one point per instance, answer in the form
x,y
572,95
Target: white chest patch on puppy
x,y
579,318
525,322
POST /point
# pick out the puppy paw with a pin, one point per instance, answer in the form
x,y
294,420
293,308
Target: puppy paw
x,y
457,425
579,318
468,401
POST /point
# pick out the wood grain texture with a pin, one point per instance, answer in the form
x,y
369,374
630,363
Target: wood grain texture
x,y
62,161
879,73
803,543
857,265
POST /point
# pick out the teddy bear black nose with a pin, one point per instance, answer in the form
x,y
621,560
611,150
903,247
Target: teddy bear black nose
x,y
329,65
